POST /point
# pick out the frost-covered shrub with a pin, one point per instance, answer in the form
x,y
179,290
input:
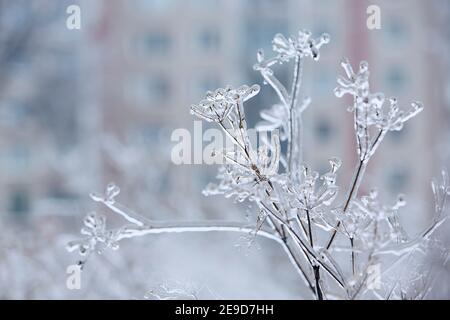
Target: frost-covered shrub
x,y
298,207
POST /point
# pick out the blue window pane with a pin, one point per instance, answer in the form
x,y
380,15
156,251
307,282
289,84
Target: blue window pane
x,y
396,79
323,130
398,180
396,29
159,89
156,5
209,40
19,202
158,43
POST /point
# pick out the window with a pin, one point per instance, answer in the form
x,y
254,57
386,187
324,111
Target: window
x,y
149,134
323,130
145,91
19,202
396,79
398,180
395,29
208,40
157,43
158,89
156,5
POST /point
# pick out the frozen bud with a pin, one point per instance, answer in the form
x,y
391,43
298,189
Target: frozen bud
x,y
90,221
378,98
283,46
219,94
347,68
254,90
416,107
111,192
82,250
373,194
304,169
304,33
325,38
339,92
397,126
315,54
335,164
209,96
260,55
96,197
306,100
112,188
363,66
401,202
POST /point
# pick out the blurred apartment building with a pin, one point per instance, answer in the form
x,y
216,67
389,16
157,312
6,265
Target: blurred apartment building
x,y
39,70
144,62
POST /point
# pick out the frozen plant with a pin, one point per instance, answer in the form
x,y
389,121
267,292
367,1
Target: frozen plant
x,y
297,207
177,290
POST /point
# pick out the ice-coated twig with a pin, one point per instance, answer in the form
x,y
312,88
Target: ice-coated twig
x,y
368,112
113,236
108,199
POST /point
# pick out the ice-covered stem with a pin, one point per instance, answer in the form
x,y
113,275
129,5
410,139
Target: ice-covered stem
x,y
441,189
295,121
278,228
316,268
297,48
368,113
309,253
108,199
287,49
356,181
194,226
284,228
96,232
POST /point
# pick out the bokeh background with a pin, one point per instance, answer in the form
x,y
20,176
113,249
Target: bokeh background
x,y
81,108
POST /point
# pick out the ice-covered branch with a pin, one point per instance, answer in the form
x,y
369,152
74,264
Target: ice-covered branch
x,y
368,113
97,234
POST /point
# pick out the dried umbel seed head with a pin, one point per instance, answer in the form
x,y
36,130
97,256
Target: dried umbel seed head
x,y
217,105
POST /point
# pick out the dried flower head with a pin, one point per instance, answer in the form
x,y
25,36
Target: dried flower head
x,y
217,105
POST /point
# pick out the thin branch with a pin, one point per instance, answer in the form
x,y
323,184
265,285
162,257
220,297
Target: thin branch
x,y
294,118
190,226
353,191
